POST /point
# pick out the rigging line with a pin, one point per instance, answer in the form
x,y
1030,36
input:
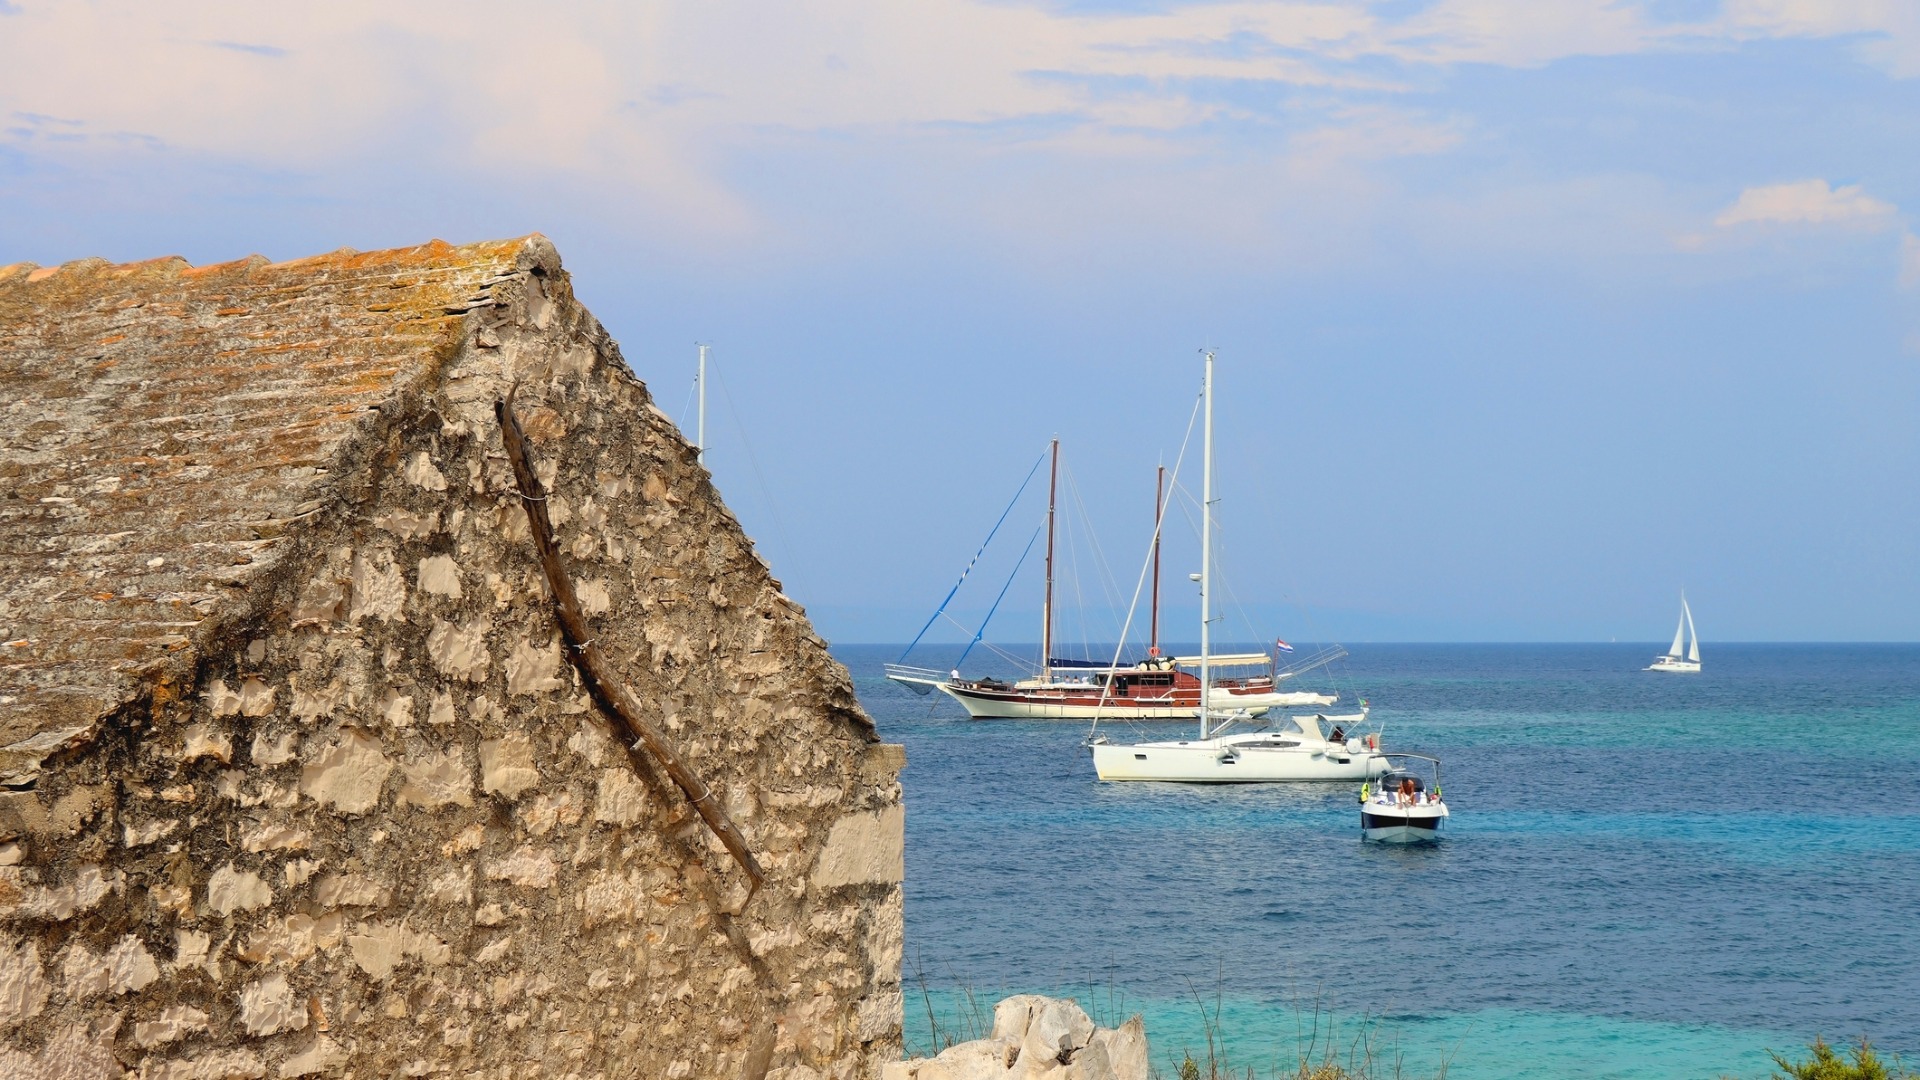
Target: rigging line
x,y
978,634
976,559
753,463
1140,583
1007,656
1102,569
1081,551
1066,574
1017,661
687,406
1188,502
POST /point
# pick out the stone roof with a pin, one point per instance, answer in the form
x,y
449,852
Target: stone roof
x,y
165,426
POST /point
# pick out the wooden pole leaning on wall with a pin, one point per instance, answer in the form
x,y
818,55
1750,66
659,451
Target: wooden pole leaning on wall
x,y
609,692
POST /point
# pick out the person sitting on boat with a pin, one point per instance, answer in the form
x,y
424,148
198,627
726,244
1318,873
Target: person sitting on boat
x,y
1406,791
1339,734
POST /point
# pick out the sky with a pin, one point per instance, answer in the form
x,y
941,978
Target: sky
x,y
1528,315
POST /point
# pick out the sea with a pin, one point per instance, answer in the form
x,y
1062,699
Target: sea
x,y
1645,875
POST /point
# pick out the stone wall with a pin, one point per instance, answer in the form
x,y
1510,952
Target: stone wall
x,y
377,828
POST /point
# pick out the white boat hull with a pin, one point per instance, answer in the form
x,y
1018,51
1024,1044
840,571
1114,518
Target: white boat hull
x,y
1674,664
1232,761
1418,824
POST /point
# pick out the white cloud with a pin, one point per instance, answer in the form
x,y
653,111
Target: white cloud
x,y
1807,202
671,110
1888,30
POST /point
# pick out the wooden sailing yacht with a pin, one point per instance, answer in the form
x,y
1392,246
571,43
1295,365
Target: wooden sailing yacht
x,y
1154,687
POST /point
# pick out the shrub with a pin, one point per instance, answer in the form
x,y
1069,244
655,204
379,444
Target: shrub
x,y
1826,1064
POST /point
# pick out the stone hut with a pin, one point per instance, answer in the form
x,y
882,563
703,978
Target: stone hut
x,y
299,774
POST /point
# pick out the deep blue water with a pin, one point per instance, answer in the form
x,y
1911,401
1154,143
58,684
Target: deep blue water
x,y
1645,875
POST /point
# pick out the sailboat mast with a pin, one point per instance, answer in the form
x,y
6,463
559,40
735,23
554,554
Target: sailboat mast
x,y
1046,607
1206,550
700,432
1159,511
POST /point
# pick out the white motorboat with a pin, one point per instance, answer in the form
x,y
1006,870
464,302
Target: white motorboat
x,y
1405,809
1673,659
1301,751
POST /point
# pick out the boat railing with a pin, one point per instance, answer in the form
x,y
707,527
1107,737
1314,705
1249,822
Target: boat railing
x,y
1318,660
909,673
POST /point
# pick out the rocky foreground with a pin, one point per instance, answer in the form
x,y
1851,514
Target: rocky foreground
x,y
1037,1038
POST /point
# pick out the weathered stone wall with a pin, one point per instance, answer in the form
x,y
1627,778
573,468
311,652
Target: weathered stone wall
x,y
377,828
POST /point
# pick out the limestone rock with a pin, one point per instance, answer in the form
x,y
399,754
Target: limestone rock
x,y
1037,1038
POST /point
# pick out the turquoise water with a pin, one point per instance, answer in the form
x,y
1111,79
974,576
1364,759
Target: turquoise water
x,y
1646,875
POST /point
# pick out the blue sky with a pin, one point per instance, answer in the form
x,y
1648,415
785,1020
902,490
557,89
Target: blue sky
x,y
1528,314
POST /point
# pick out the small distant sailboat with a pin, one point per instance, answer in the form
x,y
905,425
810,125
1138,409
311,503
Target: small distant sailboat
x,y
1673,660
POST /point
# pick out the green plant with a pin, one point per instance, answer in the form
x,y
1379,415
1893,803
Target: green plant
x,y
1827,1064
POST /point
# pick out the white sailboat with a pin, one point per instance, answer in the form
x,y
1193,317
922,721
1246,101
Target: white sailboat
x,y
1673,660
1303,750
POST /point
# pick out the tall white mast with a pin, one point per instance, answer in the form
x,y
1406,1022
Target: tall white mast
x,y
1206,549
1046,607
700,436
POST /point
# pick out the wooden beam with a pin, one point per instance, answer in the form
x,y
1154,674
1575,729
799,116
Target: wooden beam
x,y
612,695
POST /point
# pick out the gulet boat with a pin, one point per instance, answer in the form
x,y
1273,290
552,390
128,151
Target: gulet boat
x,y
1154,687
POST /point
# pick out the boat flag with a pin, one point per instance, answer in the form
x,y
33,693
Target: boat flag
x,y
1284,647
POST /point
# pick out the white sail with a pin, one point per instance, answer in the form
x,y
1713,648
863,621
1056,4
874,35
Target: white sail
x,y
1679,630
1693,636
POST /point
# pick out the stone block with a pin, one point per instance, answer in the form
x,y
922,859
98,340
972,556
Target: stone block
x,y
437,780
527,867
347,775
205,740
531,669
619,797
23,986
267,1007
460,651
231,889
440,576
506,765
864,848
173,1023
